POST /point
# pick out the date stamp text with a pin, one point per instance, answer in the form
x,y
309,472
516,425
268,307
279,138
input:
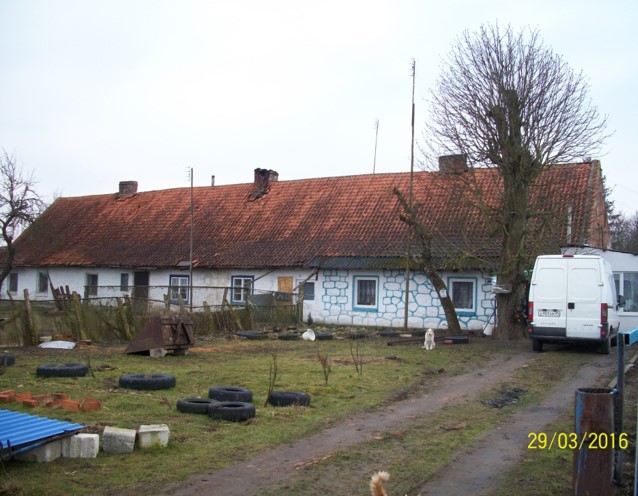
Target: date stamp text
x,y
572,441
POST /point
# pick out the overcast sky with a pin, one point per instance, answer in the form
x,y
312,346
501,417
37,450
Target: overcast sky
x,y
94,92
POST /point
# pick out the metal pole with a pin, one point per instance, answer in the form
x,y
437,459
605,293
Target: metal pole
x,y
190,260
376,139
409,240
618,406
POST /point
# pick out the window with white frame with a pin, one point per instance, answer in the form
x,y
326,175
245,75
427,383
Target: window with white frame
x,y
463,294
43,282
178,288
365,293
91,285
241,289
13,282
627,286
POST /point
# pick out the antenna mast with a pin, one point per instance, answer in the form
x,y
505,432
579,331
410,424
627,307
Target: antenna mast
x,y
376,138
408,257
190,261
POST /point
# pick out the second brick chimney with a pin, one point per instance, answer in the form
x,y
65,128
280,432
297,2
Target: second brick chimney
x,y
262,182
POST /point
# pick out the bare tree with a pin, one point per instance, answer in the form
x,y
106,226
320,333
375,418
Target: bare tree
x,y
20,205
624,235
507,102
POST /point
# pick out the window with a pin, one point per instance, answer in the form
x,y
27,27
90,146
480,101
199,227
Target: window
x,y
124,282
43,282
178,287
13,282
242,287
463,294
365,293
627,286
309,291
91,285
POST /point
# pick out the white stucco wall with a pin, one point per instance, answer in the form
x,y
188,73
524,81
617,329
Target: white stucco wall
x,y
334,298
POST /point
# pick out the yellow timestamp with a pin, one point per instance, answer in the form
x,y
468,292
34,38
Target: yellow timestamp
x,y
572,441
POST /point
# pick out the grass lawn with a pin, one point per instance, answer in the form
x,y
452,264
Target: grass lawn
x,y
197,442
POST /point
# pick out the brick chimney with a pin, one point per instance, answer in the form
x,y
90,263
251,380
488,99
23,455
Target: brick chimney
x,y
127,189
261,184
453,164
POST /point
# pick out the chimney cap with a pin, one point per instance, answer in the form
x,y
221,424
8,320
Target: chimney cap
x,y
127,189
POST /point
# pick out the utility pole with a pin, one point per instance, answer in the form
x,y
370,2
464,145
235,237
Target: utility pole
x,y
408,257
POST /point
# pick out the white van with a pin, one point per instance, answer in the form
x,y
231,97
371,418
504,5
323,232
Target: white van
x,y
572,298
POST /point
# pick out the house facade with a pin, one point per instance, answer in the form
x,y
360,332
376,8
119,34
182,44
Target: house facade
x,y
338,243
625,268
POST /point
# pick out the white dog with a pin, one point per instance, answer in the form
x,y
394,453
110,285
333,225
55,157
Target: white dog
x,y
428,342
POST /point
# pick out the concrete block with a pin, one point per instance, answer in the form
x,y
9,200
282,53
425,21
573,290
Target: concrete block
x,y
153,435
116,440
157,352
81,446
42,454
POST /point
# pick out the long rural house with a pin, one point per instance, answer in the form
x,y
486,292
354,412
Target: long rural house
x,y
339,243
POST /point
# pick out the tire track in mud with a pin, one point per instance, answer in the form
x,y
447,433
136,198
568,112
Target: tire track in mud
x,y
502,448
275,466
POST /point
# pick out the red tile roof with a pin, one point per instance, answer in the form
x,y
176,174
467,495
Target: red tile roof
x,y
292,224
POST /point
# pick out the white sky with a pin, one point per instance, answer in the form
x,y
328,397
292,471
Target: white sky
x,y
94,92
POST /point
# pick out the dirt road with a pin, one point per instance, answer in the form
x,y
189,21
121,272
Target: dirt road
x,y
494,454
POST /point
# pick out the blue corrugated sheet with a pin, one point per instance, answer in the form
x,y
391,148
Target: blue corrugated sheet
x,y
21,432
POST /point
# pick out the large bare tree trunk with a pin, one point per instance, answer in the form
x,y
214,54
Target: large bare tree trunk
x,y
515,210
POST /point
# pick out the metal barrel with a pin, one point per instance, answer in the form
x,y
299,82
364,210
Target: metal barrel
x,y
593,469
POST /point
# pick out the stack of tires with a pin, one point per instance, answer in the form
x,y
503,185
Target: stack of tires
x,y
234,403
231,403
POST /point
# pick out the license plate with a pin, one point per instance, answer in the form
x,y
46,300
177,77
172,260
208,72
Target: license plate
x,y
549,313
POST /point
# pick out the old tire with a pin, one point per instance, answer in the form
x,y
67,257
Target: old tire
x,y
6,360
62,370
457,339
288,398
230,393
251,334
289,336
323,336
147,382
234,411
195,405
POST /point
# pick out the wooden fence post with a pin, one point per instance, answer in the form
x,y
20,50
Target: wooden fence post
x,y
30,322
81,332
125,324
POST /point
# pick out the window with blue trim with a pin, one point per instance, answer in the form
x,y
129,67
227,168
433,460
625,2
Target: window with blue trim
x,y
242,287
365,293
463,294
178,288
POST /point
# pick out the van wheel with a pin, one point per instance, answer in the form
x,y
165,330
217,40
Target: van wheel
x,y
537,345
604,348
